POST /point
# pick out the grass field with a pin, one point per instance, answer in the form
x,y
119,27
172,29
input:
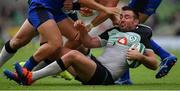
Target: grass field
x,y
142,78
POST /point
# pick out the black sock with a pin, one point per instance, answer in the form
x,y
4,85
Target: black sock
x,y
8,48
48,61
61,64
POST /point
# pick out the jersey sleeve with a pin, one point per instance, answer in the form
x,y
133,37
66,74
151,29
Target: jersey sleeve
x,y
103,38
146,34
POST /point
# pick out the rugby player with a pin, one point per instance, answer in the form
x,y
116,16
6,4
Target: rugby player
x,y
146,8
107,68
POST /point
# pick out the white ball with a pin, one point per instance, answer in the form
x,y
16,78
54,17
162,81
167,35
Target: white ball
x,y
135,63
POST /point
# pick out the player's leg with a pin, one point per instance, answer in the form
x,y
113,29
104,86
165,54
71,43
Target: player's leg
x,y
124,79
44,63
49,31
43,20
73,58
68,75
145,8
47,28
67,29
167,59
22,37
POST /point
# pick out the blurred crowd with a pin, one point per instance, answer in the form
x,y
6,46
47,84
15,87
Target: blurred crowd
x,y
12,14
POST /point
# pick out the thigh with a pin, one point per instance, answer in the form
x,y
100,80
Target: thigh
x,y
147,7
83,66
67,29
50,32
99,76
151,7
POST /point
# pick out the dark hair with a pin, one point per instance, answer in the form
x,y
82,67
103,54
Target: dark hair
x,y
136,13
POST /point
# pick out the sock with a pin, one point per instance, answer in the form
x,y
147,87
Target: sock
x,y
126,75
159,51
42,64
124,79
6,53
51,69
30,63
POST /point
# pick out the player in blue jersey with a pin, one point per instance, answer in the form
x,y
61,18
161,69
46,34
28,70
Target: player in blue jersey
x,y
46,18
145,8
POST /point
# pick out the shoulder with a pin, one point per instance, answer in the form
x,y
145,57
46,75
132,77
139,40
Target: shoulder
x,y
105,35
144,26
144,30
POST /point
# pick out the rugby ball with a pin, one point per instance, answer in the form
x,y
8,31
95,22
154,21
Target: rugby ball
x,y
135,63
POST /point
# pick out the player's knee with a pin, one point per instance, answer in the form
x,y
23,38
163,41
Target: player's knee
x,y
55,46
74,54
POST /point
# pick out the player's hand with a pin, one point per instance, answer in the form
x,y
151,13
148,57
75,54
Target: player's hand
x,y
133,54
79,25
112,11
68,5
115,19
86,12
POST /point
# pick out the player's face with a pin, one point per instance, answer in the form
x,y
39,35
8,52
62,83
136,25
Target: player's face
x,y
127,21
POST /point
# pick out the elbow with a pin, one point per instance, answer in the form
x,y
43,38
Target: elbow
x,y
154,68
154,65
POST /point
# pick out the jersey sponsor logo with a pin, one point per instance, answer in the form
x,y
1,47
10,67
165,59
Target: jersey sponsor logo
x,y
132,38
122,40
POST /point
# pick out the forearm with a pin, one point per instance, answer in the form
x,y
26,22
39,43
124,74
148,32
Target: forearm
x,y
104,16
88,41
148,61
99,19
93,5
85,38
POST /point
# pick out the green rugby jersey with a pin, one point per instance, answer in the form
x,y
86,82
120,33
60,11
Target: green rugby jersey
x,y
116,44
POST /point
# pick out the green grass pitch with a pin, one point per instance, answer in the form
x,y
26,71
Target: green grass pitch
x,y
142,78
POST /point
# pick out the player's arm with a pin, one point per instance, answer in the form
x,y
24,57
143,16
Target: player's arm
x,y
94,5
148,59
86,39
104,16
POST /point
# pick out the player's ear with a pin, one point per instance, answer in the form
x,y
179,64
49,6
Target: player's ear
x,y
136,21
